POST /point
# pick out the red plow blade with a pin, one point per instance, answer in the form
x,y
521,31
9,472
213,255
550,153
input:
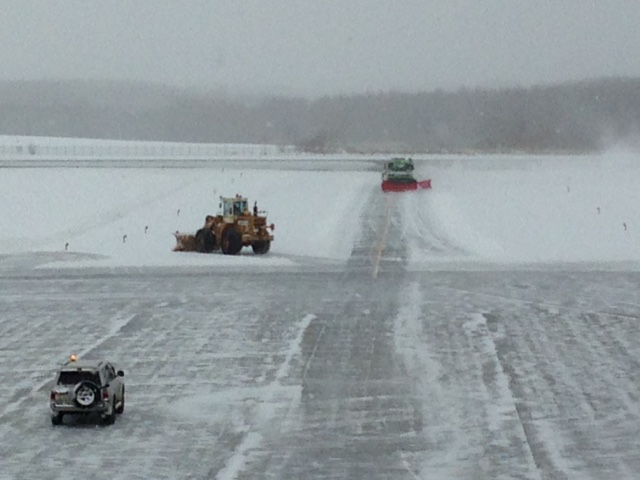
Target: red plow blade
x,y
388,186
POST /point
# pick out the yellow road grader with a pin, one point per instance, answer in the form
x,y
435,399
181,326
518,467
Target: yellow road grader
x,y
232,229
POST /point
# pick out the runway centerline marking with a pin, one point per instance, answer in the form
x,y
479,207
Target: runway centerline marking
x,y
383,238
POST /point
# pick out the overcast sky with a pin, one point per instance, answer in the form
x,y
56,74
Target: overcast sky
x,y
315,47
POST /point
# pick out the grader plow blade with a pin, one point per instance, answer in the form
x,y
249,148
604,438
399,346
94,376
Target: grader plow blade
x,y
185,242
391,186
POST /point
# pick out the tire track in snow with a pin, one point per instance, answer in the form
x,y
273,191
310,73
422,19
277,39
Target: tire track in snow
x,y
545,303
565,393
421,230
449,396
501,398
267,407
608,401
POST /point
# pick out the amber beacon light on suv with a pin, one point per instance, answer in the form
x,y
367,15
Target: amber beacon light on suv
x,y
87,388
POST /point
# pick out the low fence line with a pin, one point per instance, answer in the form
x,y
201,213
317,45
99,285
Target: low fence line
x,y
141,149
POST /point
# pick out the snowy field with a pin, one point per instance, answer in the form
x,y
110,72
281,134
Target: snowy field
x,y
93,210
487,209
485,329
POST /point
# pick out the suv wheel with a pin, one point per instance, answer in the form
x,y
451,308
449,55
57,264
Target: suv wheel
x,y
85,394
120,407
57,419
109,418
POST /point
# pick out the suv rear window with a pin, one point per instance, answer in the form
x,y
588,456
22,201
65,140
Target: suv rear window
x,y
73,377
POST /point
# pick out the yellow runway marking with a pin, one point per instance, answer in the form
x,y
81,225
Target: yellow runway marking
x,y
383,237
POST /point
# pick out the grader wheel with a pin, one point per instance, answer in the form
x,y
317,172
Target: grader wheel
x,y
261,247
231,243
205,241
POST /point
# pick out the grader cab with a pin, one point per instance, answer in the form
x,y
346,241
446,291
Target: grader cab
x,y
398,176
233,228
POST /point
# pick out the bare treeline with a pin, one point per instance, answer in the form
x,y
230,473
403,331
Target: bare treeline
x,y
574,117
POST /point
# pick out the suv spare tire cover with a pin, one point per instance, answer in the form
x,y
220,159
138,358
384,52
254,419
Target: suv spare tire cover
x,y
85,394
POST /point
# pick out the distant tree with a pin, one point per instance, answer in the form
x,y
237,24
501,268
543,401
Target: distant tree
x,y
574,116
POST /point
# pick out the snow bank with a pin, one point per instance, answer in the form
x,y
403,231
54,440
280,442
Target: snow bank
x,y
547,209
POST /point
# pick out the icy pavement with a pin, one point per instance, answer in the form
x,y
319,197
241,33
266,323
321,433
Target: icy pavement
x,y
329,372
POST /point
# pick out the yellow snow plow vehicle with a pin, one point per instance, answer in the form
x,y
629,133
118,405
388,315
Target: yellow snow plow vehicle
x,y
232,229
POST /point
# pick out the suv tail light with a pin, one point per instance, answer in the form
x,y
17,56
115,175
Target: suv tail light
x,y
105,394
53,396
